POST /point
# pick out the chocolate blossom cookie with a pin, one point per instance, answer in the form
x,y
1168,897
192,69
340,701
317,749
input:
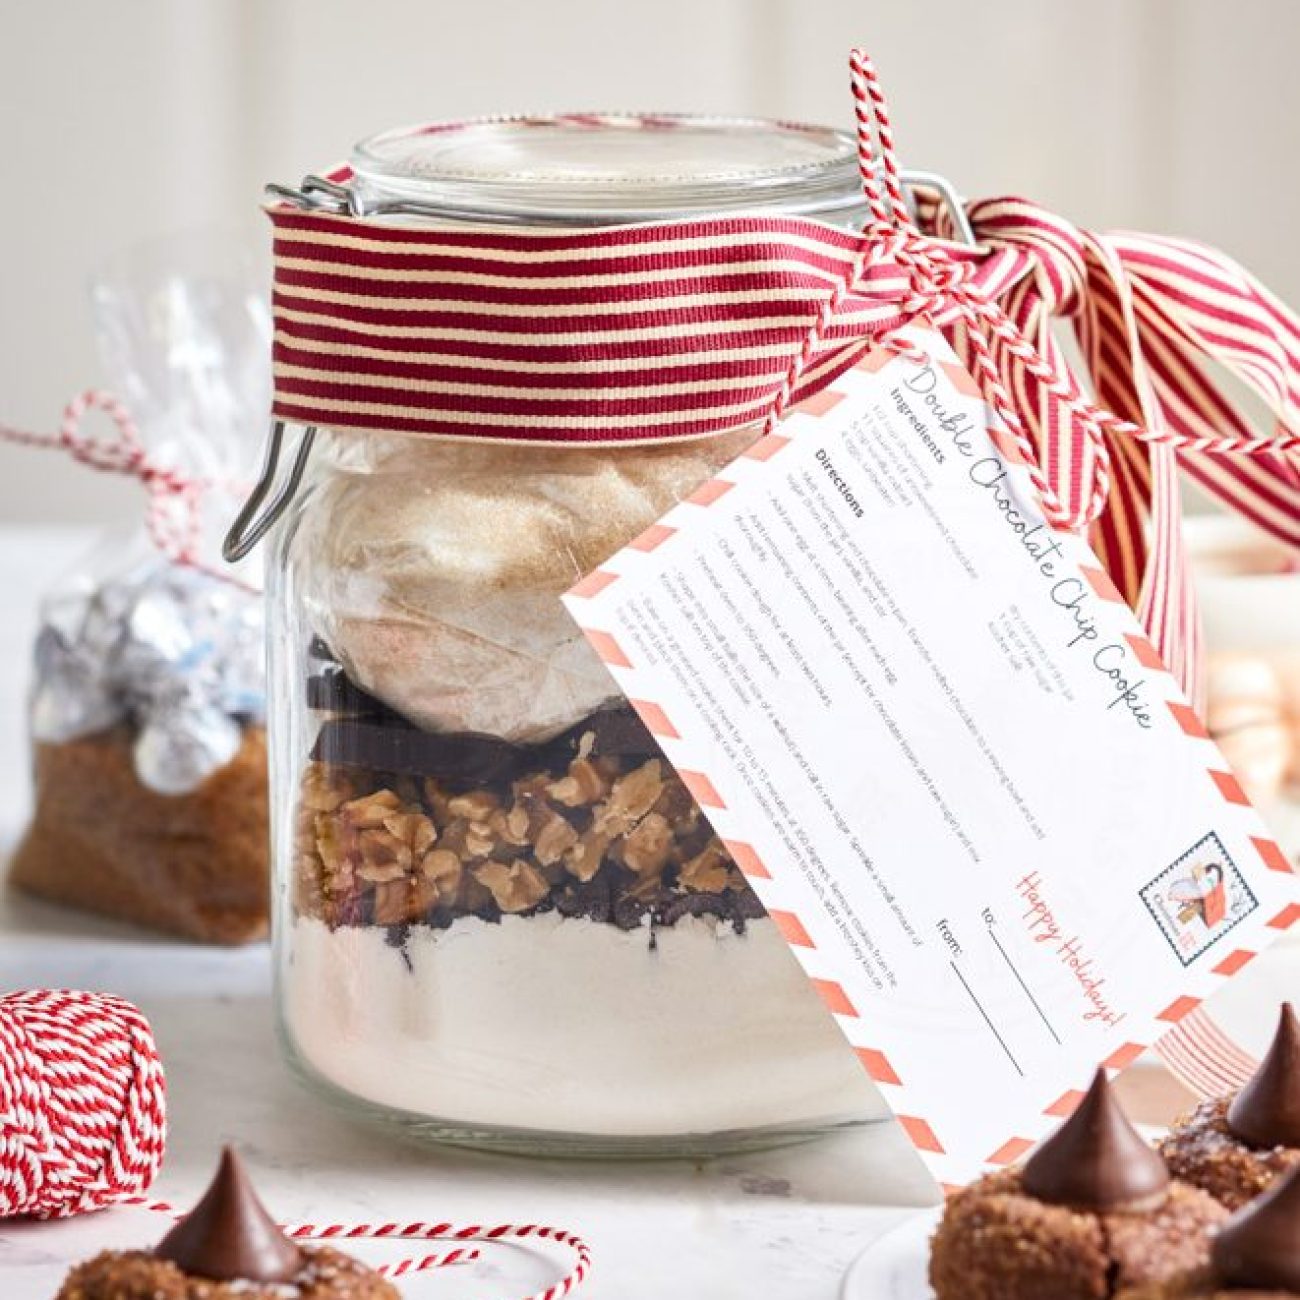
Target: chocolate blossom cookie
x,y
1236,1146
1254,1256
1092,1211
227,1248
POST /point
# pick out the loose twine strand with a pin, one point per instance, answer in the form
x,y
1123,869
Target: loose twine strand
x,y
421,1231
84,1127
174,511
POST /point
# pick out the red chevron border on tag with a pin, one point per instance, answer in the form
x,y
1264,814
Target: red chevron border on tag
x,y
1190,1042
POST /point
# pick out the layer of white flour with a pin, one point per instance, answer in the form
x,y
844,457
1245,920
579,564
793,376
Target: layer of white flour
x,y
575,1026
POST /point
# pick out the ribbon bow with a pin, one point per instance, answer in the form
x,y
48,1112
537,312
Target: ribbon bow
x,y
679,329
1151,316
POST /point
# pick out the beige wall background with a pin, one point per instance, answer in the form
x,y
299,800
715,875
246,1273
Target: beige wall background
x,y
128,120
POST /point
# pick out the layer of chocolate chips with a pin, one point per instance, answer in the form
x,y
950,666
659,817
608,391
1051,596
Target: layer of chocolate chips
x,y
465,761
365,733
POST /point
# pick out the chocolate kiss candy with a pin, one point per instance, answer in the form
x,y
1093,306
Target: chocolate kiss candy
x,y
1258,1248
1266,1112
228,1236
1096,1160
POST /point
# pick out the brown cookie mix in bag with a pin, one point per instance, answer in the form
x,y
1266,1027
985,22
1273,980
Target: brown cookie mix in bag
x,y
150,756
193,864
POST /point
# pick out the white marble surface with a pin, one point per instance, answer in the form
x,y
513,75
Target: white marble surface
x,y
894,1267
781,1226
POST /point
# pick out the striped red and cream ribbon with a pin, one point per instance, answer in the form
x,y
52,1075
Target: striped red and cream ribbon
x,y
682,329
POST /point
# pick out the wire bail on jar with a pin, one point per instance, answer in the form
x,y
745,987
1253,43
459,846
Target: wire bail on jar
x,y
252,523
320,194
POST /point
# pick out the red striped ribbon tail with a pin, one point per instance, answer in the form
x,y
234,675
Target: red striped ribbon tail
x,y
1199,308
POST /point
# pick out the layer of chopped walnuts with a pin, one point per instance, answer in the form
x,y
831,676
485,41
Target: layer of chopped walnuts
x,y
610,837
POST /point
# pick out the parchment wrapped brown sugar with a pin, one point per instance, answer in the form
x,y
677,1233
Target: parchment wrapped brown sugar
x,y
435,576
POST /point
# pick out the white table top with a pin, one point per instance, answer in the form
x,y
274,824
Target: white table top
x,y
782,1225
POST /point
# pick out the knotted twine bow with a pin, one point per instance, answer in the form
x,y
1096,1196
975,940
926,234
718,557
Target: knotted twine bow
x,y
173,514
1149,313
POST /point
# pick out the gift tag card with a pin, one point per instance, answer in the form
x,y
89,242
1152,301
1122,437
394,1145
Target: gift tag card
x,y
939,745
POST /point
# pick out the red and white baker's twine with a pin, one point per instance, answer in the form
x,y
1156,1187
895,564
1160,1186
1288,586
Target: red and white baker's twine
x,y
173,516
83,1127
82,1112
444,1232
944,288
459,1255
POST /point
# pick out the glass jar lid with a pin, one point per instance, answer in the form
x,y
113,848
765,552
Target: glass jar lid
x,y
589,168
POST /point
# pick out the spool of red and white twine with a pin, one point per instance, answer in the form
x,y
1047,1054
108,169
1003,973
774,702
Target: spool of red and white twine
x,y
82,1106
83,1127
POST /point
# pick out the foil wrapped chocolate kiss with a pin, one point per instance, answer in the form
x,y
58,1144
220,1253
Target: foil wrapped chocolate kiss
x,y
229,1237
1266,1112
1097,1160
172,652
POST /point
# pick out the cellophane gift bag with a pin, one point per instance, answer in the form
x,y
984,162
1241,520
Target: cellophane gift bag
x,y
147,699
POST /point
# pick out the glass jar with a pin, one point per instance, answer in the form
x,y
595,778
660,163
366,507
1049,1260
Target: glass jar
x,y
501,918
